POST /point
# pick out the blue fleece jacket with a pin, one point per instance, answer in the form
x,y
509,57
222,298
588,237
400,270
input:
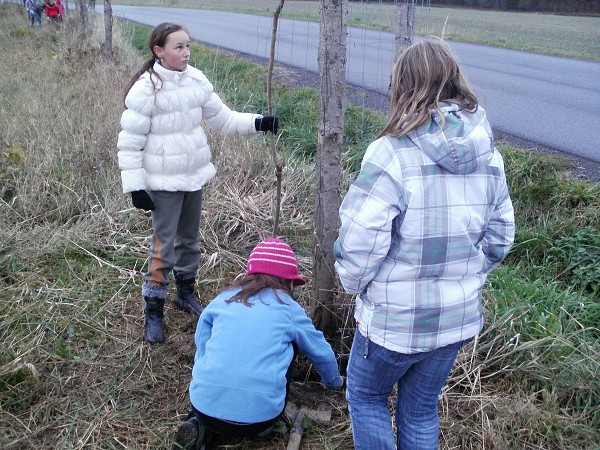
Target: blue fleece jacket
x,y
243,354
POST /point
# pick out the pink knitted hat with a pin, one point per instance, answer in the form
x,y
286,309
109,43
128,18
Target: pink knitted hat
x,y
274,257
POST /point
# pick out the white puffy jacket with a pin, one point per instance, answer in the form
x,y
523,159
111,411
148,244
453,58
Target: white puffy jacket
x,y
162,146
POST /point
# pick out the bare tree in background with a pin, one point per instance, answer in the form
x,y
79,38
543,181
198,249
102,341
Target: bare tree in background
x,y
83,12
332,76
108,23
405,19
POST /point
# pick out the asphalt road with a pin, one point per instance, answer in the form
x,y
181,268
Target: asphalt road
x,y
542,100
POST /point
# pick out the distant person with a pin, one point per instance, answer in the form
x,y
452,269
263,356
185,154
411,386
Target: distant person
x,y
165,162
61,10
34,12
428,217
51,10
246,342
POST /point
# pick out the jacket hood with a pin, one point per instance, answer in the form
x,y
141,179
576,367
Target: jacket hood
x,y
464,145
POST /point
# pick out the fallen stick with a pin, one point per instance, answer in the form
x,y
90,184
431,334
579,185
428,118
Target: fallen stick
x,y
297,430
296,415
321,415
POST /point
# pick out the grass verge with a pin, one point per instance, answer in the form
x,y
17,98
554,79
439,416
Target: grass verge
x,y
561,35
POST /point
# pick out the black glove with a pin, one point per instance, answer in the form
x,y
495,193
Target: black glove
x,y
267,123
142,200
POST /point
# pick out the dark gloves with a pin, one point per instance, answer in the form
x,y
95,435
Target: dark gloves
x,y
142,200
267,123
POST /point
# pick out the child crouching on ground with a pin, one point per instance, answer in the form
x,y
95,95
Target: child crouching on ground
x,y
246,342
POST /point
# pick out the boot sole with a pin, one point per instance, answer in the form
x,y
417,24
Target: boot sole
x,y
153,339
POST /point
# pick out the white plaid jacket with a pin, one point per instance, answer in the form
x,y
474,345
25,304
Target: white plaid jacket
x,y
428,217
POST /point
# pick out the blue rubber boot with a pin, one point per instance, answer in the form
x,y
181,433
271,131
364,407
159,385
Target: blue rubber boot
x,y
186,298
191,435
153,320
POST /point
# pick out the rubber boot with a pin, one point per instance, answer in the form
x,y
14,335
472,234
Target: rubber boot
x,y
186,298
191,435
153,321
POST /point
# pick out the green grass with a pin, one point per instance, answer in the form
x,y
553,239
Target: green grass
x,y
549,335
570,36
559,219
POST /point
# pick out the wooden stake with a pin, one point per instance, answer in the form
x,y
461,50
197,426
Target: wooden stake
x,y
278,167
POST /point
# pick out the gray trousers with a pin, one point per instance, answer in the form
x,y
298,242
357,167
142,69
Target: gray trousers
x,y
174,244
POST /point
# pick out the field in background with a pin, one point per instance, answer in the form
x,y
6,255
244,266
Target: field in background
x,y
74,372
572,36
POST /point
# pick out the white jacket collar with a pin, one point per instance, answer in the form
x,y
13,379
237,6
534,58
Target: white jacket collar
x,y
175,75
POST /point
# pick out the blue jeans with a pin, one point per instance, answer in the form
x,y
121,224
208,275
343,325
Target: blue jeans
x,y
420,378
34,17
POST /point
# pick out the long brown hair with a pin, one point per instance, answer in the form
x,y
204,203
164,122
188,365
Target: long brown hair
x,y
158,36
425,74
255,283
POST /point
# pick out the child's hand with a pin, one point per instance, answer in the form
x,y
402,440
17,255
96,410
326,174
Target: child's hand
x,y
142,200
267,123
335,383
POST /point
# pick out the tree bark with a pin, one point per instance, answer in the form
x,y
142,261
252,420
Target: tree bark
x,y
405,19
332,75
108,31
276,160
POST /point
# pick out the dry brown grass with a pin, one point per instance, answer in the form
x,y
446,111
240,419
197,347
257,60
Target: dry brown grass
x,y
74,372
72,362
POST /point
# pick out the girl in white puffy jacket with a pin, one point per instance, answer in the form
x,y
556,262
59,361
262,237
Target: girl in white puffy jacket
x,y
165,161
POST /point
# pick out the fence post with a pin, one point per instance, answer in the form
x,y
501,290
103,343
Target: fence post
x,y
332,76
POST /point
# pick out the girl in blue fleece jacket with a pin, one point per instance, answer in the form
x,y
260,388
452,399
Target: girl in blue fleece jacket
x,y
246,342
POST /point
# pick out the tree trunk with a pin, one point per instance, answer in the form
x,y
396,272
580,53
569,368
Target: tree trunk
x,y
83,13
108,31
332,76
405,19
276,160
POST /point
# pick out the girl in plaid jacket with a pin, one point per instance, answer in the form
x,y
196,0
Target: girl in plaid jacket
x,y
428,217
